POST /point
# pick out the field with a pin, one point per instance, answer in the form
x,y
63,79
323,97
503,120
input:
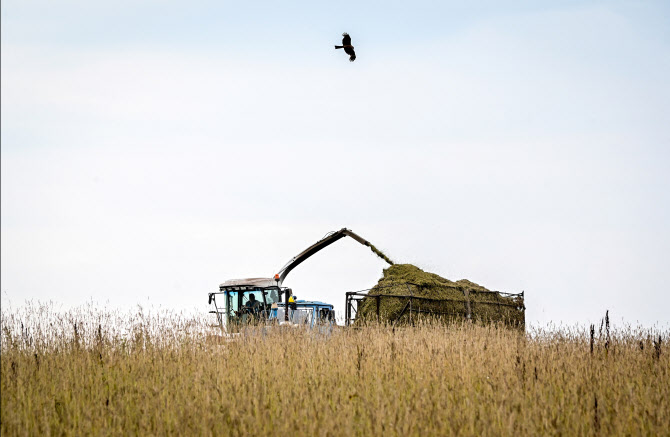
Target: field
x,y
93,372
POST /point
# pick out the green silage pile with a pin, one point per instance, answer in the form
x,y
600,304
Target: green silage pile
x,y
447,300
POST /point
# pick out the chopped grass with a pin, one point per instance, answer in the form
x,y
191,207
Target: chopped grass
x,y
445,299
380,254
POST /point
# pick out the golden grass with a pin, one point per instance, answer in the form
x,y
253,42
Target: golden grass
x,y
159,374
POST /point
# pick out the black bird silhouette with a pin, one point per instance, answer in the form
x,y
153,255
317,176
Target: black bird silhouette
x,y
348,48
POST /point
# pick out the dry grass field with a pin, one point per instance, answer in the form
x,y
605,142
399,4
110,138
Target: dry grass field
x,y
88,372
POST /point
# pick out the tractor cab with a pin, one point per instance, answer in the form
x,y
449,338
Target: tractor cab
x,y
255,301
246,301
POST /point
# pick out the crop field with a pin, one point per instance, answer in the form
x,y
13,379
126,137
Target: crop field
x,y
91,372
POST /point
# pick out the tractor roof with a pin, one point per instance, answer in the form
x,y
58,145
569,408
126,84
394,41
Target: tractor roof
x,y
250,282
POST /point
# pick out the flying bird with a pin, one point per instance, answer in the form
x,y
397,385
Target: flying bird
x,y
348,48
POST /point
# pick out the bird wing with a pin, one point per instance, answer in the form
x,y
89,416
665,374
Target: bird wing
x,y
346,40
350,51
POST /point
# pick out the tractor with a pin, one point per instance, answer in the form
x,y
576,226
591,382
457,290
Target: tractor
x,y
254,301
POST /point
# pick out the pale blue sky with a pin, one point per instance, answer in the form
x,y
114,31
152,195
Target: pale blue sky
x,y
157,149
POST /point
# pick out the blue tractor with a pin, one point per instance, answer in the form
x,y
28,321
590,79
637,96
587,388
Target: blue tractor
x,y
256,301
264,300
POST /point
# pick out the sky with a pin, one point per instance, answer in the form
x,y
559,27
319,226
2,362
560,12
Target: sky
x,y
151,150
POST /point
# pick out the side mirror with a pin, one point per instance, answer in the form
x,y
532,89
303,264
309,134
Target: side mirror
x,y
211,298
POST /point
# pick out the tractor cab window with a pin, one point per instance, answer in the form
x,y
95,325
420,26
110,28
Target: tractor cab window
x,y
239,302
325,315
252,302
232,304
271,296
256,300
